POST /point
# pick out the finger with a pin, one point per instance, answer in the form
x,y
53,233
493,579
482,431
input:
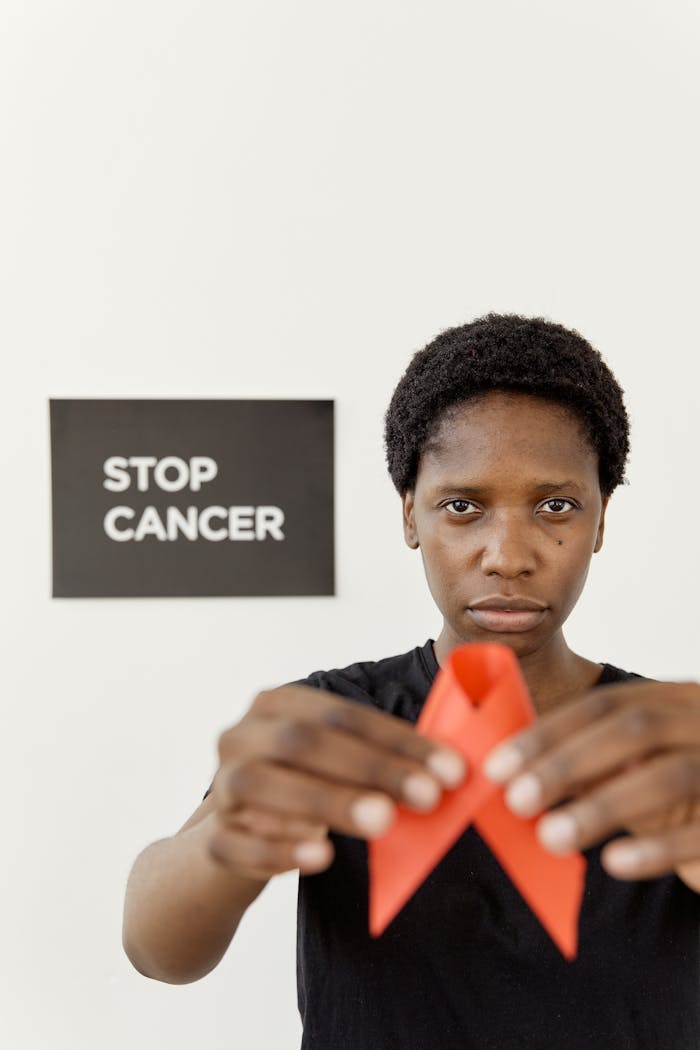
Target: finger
x,y
513,755
658,784
296,794
598,751
352,717
260,858
336,755
636,858
269,824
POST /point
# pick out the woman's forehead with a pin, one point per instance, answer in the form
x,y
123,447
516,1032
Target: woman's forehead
x,y
507,402
503,415
503,433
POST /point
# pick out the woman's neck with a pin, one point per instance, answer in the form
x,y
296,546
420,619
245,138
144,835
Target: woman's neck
x,y
553,674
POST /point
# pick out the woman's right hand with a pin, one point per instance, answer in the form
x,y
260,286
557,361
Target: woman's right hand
x,y
303,762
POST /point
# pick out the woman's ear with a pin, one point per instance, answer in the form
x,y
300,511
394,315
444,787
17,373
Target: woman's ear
x,y
601,527
409,522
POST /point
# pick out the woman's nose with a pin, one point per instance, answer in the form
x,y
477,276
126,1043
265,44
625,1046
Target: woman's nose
x,y
508,550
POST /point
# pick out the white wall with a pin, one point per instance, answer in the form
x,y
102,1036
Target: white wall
x,y
286,200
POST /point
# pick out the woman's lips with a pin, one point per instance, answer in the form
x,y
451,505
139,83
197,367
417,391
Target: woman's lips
x,y
505,622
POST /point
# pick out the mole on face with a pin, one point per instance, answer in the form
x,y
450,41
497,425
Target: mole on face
x,y
560,542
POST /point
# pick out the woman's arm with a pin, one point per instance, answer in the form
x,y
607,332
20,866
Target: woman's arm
x,y
301,762
182,908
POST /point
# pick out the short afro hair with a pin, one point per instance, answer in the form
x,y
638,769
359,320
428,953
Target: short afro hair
x,y
506,352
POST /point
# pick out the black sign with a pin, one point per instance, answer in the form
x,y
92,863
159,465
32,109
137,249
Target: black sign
x,y
174,498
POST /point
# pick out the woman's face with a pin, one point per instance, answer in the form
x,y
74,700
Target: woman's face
x,y
506,504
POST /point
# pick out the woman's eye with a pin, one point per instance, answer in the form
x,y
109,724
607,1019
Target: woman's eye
x,y
459,506
558,512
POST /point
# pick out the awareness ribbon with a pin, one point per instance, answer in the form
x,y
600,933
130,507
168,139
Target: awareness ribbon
x,y
479,698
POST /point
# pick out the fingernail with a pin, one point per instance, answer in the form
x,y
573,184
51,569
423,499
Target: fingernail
x,y
311,853
420,790
449,766
628,856
557,832
502,763
373,815
524,795
625,858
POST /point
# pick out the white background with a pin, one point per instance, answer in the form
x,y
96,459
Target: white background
x,y
287,200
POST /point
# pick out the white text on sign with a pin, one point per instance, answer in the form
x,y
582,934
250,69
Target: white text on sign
x,y
172,474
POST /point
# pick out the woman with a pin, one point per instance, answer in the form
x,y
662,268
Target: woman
x,y
505,440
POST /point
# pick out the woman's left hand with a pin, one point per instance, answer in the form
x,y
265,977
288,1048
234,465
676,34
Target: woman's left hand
x,y
628,756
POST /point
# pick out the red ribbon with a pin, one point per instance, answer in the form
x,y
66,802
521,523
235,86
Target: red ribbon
x,y
478,699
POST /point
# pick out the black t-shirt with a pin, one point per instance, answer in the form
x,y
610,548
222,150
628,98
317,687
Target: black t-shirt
x,y
466,965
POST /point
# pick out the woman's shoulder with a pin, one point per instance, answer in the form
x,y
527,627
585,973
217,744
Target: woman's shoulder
x,y
397,684
612,673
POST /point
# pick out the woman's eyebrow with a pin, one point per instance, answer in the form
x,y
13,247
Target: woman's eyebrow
x,y
485,490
